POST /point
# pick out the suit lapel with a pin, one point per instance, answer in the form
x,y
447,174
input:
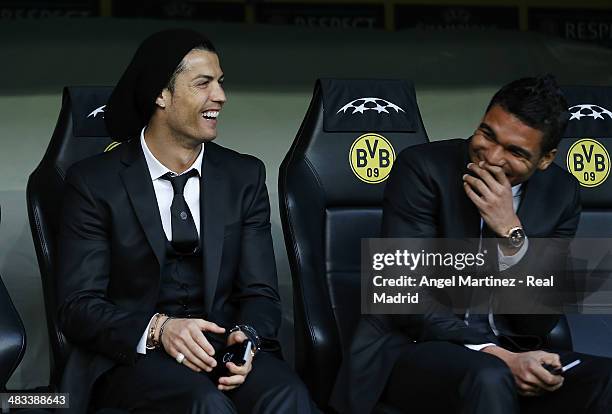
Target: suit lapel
x,y
139,186
467,211
213,194
531,197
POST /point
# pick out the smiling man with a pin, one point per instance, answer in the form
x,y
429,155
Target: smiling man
x,y
501,186
166,254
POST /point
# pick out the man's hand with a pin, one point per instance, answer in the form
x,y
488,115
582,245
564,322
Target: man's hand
x,y
239,373
186,336
491,193
530,376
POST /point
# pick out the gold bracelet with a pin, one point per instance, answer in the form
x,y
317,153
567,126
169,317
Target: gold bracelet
x,y
152,343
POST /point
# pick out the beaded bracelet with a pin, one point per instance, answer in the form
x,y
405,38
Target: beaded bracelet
x,y
250,333
161,330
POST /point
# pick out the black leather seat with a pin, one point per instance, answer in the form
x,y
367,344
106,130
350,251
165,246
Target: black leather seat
x,y
330,193
590,110
12,337
585,152
80,132
588,131
12,343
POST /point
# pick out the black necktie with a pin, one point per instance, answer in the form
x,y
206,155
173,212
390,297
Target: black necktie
x,y
185,238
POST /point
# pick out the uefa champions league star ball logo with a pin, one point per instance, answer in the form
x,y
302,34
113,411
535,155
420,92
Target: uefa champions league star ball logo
x,y
97,111
589,111
362,105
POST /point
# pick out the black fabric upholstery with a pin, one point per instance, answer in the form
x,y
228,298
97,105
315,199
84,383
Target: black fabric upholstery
x,y
326,210
80,132
12,337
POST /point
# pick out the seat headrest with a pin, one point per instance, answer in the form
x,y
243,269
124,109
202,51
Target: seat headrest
x,y
351,135
587,142
87,105
351,105
590,110
80,131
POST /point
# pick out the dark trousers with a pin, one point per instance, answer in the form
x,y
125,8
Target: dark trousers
x,y
441,377
158,384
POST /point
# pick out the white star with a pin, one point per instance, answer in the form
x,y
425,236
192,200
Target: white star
x,y
381,109
360,108
576,115
597,115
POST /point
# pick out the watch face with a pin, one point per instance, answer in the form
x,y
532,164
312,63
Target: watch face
x,y
516,238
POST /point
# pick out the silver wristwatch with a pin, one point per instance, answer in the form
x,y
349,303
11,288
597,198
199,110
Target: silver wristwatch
x,y
515,237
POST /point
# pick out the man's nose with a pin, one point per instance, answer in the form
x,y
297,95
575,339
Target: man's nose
x,y
495,156
218,94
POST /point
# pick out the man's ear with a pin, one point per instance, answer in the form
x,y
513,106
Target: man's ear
x,y
547,159
163,98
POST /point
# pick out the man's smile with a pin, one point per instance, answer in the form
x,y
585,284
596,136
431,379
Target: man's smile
x,y
210,114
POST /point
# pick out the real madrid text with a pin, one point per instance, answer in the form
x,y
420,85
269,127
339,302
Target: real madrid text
x,y
455,281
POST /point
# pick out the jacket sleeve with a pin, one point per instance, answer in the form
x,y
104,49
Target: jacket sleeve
x,y
256,286
87,316
409,204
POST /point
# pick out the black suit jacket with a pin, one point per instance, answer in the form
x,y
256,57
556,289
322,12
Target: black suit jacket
x,y
424,198
112,250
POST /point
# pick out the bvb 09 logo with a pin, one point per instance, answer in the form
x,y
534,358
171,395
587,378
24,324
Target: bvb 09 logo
x,y
589,161
371,158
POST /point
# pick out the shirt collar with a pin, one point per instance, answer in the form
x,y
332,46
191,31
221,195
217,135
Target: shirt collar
x,y
157,169
516,190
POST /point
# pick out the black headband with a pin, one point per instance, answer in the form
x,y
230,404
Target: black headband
x,y
132,102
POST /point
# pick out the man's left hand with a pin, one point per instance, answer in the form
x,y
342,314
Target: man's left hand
x,y
491,192
239,373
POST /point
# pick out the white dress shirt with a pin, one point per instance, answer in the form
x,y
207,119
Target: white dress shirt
x,y
164,195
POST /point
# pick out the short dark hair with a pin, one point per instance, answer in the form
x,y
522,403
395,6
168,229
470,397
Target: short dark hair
x,y
537,102
207,46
